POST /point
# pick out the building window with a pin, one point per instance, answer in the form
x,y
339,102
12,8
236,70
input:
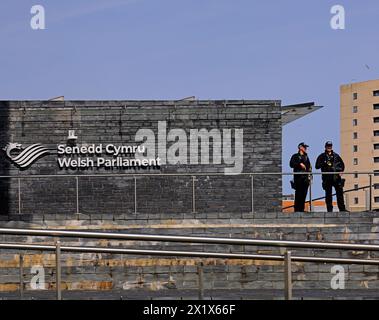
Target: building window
x,y
355,148
355,109
356,175
376,186
355,122
356,201
355,135
376,133
376,199
356,187
376,159
355,161
376,93
376,146
376,106
355,96
376,173
376,120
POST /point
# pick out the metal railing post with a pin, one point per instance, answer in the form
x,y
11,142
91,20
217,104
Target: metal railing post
x,y
370,200
193,195
369,205
200,273
58,269
347,201
135,195
367,198
21,261
19,196
288,275
77,195
310,196
252,194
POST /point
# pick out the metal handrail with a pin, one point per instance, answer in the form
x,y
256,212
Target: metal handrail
x,y
189,239
287,257
333,194
192,175
202,254
102,175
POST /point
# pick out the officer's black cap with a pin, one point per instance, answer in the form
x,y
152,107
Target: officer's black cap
x,y
302,144
328,144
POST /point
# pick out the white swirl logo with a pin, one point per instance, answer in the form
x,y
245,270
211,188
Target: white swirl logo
x,y
27,156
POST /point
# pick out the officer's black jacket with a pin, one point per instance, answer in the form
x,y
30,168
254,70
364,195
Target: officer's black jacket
x,y
329,163
295,162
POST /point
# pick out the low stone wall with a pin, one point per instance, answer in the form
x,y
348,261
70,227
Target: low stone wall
x,y
126,273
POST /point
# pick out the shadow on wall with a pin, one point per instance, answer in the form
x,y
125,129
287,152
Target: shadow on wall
x,y
4,164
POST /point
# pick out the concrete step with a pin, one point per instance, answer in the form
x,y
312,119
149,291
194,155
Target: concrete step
x,y
261,294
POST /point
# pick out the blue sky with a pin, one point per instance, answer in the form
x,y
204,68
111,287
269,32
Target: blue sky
x,y
212,49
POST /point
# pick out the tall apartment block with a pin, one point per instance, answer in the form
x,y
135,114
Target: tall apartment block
x,y
360,141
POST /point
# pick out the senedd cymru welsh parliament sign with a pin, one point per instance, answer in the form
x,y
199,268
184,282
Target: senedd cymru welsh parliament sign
x,y
174,147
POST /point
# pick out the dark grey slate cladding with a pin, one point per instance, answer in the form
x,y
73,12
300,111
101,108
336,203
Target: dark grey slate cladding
x,y
47,122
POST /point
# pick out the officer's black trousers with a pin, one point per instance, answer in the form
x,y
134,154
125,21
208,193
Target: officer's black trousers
x,y
328,187
300,195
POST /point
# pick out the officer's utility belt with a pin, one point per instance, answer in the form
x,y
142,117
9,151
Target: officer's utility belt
x,y
340,182
306,179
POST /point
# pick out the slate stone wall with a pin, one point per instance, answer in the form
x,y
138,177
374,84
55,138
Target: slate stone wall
x,y
168,276
94,122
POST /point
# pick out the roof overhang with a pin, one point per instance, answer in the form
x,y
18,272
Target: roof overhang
x,y
293,112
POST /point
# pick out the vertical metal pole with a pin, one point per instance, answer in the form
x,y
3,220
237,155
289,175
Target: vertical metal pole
x,y
201,280
367,196
59,270
347,201
77,195
252,194
288,276
21,257
310,196
193,195
19,196
135,195
370,200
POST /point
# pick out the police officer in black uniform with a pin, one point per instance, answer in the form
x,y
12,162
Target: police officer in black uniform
x,y
300,163
330,161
